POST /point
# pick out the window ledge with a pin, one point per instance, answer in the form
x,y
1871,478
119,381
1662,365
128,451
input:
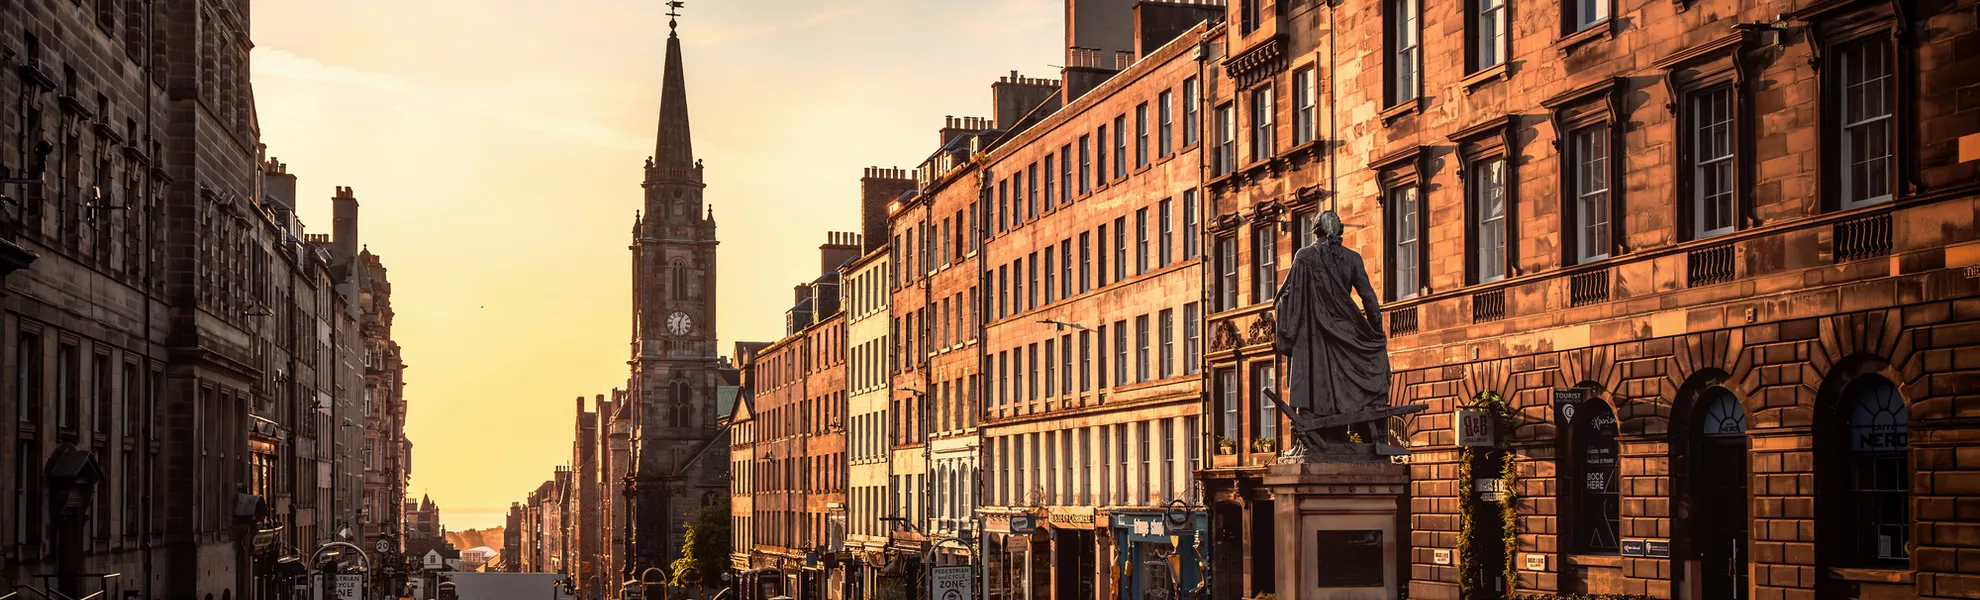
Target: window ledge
x,y
1603,29
1904,576
1407,107
1489,74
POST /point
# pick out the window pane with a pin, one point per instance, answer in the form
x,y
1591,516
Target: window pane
x,y
1866,128
1489,208
1491,33
1402,202
1591,174
1403,37
1712,156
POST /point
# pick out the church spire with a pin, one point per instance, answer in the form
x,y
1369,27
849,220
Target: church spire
x,y
675,145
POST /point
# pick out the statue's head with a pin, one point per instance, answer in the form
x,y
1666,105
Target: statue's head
x,y
1328,227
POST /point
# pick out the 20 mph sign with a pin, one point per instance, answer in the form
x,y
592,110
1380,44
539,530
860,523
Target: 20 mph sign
x,y
950,583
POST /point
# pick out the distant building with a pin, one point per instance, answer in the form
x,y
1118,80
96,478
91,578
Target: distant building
x,y
797,416
676,459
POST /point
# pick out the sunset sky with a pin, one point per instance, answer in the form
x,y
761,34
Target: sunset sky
x,y
495,147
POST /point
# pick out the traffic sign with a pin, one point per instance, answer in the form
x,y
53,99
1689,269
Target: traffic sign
x,y
950,583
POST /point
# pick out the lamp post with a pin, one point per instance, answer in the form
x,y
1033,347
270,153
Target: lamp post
x,y
363,561
650,577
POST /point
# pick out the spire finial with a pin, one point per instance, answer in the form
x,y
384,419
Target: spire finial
x,y
673,12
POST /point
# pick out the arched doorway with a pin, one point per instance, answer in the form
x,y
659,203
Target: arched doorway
x,y
1718,493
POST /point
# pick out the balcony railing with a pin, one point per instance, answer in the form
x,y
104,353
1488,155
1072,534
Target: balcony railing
x,y
1862,238
1488,306
1588,288
1402,321
1707,266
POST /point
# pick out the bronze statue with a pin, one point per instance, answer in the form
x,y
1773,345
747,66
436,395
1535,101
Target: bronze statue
x,y
1336,353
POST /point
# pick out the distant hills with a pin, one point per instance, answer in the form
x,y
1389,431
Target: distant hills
x,y
470,538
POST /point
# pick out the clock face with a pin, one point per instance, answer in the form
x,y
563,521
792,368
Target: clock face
x,y
679,323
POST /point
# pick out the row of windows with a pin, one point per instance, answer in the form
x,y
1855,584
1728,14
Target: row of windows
x,y
1143,463
1056,368
867,293
943,326
810,416
1262,110
813,474
1026,195
103,399
1017,285
1709,166
787,529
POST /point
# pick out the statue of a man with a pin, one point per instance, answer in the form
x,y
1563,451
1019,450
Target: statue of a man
x,y
1337,355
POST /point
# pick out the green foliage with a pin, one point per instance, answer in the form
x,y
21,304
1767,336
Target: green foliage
x,y
1508,504
708,546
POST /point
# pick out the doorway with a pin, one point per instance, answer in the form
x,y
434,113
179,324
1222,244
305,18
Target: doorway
x,y
1718,494
1074,568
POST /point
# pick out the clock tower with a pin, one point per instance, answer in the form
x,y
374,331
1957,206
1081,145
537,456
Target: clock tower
x,y
679,455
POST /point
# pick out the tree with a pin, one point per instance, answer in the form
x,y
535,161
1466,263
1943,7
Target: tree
x,y
708,546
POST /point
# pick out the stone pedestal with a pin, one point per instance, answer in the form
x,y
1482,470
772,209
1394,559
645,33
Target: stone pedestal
x,y
1339,529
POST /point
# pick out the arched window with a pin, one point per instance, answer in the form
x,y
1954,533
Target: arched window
x,y
1592,486
678,279
678,413
1719,414
1879,471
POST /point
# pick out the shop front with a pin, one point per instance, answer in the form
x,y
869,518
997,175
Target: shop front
x,y
1017,548
1156,559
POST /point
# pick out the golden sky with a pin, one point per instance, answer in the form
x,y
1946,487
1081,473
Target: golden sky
x,y
495,147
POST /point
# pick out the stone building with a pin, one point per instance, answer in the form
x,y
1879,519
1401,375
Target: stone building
x,y
183,361
1093,351
1664,273
676,445
386,464
585,528
934,378
797,406
869,360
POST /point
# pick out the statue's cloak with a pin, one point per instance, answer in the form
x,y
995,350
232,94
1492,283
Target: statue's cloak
x,y
1337,355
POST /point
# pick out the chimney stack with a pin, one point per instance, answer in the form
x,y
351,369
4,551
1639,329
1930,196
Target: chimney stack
x,y
877,189
344,226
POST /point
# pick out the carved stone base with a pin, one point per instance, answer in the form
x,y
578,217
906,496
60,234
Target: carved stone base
x,y
1339,529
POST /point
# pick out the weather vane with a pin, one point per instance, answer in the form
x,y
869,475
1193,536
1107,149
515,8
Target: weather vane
x,y
674,12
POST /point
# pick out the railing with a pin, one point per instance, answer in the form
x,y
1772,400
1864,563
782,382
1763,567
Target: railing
x,y
1862,238
1488,306
1588,288
1707,266
1402,321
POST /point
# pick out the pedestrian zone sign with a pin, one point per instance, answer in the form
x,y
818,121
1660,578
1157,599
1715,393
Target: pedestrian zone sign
x,y
950,583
